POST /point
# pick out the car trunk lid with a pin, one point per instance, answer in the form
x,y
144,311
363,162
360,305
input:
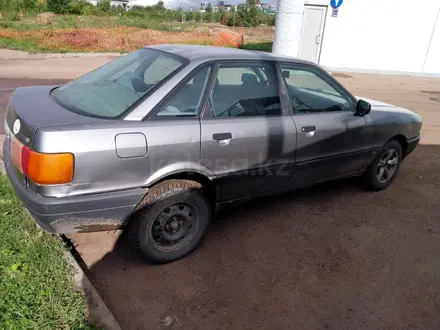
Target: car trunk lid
x,y
31,108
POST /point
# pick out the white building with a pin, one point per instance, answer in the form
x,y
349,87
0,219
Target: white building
x,y
396,36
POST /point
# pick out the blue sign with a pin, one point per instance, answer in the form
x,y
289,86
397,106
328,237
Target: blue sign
x,y
336,3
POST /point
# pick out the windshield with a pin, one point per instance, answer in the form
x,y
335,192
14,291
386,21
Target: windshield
x,y
112,89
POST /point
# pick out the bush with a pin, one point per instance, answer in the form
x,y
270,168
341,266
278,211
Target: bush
x,y
117,11
231,19
76,7
104,5
94,11
266,19
58,6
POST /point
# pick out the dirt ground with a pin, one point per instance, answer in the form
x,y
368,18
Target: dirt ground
x,y
330,257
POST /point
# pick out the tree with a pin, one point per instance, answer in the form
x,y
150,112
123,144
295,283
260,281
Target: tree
x,y
252,13
247,14
29,4
160,5
77,7
209,8
58,6
41,5
104,5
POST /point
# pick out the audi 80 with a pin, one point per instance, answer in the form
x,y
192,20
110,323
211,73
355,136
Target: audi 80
x,y
159,139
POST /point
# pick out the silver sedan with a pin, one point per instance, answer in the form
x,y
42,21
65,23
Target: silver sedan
x,y
159,139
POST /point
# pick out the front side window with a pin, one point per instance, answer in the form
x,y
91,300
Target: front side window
x,y
311,91
112,89
245,91
188,100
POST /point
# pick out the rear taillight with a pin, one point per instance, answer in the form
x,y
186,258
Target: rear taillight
x,y
42,168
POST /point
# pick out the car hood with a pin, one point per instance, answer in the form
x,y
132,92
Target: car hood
x,y
382,106
35,108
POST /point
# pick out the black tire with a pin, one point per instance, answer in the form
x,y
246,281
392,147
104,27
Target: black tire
x,y
370,176
151,220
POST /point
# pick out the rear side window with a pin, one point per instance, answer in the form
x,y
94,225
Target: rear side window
x,y
245,91
111,90
188,99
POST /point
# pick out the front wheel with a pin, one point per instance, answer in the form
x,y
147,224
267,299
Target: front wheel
x,y
171,221
382,171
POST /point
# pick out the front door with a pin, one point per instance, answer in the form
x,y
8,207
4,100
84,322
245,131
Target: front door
x,y
246,139
311,32
331,140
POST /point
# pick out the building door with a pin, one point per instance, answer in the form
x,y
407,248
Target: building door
x,y
311,32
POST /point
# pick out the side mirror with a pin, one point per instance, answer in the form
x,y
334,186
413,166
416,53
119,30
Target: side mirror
x,y
362,108
286,74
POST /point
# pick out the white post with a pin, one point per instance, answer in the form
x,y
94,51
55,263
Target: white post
x,y
288,27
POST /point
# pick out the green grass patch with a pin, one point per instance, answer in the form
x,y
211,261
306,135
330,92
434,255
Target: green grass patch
x,y
36,286
261,46
88,22
22,44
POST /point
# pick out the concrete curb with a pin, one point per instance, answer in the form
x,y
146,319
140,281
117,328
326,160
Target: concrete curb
x,y
98,312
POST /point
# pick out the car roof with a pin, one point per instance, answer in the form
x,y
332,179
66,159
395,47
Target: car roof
x,y
207,53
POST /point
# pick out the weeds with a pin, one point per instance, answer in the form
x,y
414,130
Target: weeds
x,y
36,288
113,39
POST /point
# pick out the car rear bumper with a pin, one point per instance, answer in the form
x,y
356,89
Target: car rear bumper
x,y
98,212
411,144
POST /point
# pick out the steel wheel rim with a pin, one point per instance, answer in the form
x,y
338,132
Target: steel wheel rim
x,y
387,165
173,227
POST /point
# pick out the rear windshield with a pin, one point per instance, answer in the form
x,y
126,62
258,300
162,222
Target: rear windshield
x,y
114,88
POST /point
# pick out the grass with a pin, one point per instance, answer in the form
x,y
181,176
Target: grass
x,y
36,287
28,45
72,33
32,46
87,22
261,46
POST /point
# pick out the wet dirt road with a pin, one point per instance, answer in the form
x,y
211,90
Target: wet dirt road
x,y
331,257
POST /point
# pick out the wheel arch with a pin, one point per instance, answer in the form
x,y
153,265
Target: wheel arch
x,y
188,171
402,141
209,188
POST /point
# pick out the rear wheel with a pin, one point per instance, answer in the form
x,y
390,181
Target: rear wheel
x,y
382,171
171,221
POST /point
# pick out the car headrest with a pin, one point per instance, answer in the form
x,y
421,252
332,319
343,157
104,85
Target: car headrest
x,y
249,78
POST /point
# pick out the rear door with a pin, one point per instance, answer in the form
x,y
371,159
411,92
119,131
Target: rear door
x,y
247,138
331,140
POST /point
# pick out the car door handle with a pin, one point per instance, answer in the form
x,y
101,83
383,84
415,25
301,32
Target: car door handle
x,y
306,129
318,39
222,138
309,130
